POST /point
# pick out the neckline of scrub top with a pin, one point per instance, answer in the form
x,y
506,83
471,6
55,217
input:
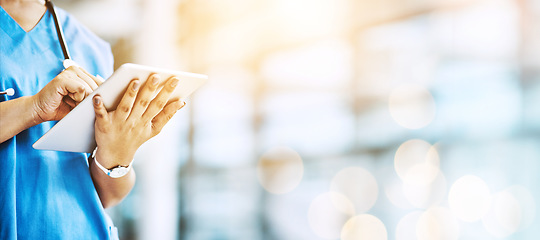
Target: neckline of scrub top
x,y
13,28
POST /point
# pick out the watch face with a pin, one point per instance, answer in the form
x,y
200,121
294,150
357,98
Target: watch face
x,y
118,172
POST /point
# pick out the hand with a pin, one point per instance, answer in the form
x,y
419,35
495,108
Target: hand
x,y
138,117
63,93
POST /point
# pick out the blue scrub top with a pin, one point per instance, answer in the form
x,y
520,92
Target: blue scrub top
x,y
47,194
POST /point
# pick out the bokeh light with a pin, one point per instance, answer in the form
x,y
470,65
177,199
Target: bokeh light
x,y
364,226
406,228
328,213
437,223
412,106
358,185
417,162
513,209
527,205
280,170
394,191
426,195
504,216
469,198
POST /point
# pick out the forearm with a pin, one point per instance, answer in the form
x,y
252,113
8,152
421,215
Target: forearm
x,y
15,116
111,191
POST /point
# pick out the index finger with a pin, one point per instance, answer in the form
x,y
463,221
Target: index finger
x,y
84,77
97,80
72,85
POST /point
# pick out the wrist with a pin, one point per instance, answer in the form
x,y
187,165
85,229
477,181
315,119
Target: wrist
x,y
117,171
111,159
32,103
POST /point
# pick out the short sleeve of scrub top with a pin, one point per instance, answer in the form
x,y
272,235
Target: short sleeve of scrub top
x,y
47,194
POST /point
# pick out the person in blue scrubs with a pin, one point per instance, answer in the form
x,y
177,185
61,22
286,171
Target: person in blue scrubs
x,y
60,195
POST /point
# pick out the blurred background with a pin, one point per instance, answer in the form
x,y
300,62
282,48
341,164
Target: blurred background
x,y
335,119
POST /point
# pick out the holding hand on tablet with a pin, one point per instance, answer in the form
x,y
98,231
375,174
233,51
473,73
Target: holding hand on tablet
x,y
119,133
137,118
63,93
51,103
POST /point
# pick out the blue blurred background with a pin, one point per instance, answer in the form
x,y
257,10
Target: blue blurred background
x,y
336,119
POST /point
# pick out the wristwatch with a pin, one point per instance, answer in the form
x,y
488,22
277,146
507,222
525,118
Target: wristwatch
x,y
115,172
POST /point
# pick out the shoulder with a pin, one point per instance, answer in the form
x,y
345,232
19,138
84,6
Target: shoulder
x,y
72,25
86,47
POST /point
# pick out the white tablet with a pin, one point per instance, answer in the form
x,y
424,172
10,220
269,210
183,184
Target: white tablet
x,y
75,132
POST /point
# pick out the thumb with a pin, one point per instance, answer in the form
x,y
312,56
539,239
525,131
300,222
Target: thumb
x,y
102,116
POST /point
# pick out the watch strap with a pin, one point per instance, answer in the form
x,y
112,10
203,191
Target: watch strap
x,y
115,172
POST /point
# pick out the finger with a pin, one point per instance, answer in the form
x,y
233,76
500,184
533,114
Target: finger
x,y
126,104
74,89
96,79
70,74
158,103
165,115
70,102
102,116
144,97
69,84
86,77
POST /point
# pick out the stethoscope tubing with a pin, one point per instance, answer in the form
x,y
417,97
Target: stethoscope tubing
x,y
59,30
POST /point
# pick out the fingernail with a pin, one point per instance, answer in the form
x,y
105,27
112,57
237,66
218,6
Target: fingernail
x,y
97,100
155,79
174,82
135,86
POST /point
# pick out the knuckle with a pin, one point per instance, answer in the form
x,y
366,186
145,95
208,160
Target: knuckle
x,y
160,104
131,125
125,108
144,102
170,111
104,129
66,72
69,74
155,129
100,115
